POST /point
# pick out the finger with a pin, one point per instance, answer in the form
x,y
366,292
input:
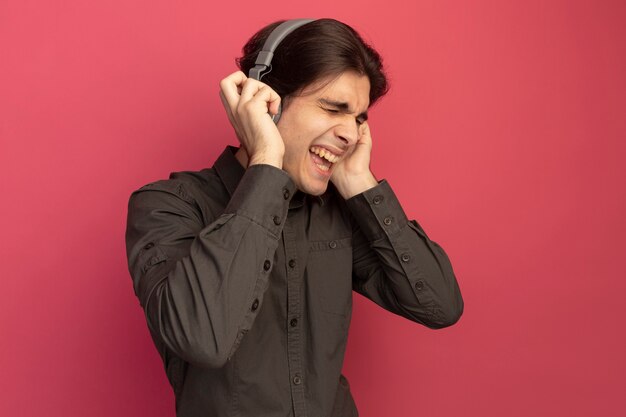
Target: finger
x,y
227,107
250,88
231,118
231,88
232,85
364,129
257,96
270,97
365,137
274,102
237,77
254,89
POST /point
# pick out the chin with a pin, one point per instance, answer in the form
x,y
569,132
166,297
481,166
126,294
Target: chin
x,y
314,189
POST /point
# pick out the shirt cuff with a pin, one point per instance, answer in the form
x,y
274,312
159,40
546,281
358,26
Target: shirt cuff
x,y
378,211
263,196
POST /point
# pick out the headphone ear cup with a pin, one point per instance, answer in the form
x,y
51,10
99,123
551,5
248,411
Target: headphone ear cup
x,y
263,63
276,117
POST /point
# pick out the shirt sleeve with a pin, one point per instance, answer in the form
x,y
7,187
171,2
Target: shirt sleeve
x,y
397,266
201,285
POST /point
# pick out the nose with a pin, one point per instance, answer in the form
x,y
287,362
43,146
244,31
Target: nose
x,y
347,131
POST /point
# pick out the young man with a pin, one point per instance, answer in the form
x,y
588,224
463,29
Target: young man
x,y
246,270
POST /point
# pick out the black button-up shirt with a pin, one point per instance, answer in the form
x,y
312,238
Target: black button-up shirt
x,y
246,284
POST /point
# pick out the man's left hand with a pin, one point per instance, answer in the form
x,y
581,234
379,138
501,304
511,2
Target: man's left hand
x,y
352,174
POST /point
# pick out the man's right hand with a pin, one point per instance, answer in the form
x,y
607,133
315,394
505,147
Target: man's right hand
x,y
248,103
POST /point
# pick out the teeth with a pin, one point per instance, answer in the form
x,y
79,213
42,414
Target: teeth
x,y
324,153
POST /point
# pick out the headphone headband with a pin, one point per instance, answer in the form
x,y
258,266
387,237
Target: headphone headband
x,y
262,65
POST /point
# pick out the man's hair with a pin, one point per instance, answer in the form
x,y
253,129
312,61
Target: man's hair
x,y
321,49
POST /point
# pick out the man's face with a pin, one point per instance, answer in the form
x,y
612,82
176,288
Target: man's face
x,y
320,127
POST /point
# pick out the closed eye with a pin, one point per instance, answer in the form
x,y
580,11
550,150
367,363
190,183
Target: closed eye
x,y
359,121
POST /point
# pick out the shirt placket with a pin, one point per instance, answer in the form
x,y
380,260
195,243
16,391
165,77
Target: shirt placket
x,y
297,378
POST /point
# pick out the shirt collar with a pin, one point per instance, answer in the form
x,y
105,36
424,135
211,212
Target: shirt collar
x,y
230,172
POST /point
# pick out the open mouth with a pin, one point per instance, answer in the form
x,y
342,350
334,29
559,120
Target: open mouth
x,y
323,158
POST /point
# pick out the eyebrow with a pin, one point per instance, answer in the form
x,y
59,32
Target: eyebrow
x,y
343,106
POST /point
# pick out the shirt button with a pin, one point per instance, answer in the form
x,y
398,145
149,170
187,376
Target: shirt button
x,y
405,257
276,220
388,220
267,265
255,305
332,244
148,246
293,322
419,285
292,263
286,193
297,380
378,199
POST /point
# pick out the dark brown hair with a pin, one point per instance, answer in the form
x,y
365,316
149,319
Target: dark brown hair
x,y
322,48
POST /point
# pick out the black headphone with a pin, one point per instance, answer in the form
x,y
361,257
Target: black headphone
x,y
262,65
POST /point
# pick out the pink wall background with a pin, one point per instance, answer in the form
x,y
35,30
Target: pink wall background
x,y
503,135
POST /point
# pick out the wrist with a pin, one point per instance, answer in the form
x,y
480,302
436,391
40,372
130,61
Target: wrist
x,y
274,159
351,186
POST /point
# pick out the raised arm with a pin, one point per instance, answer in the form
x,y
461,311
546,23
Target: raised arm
x,y
397,266
201,283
